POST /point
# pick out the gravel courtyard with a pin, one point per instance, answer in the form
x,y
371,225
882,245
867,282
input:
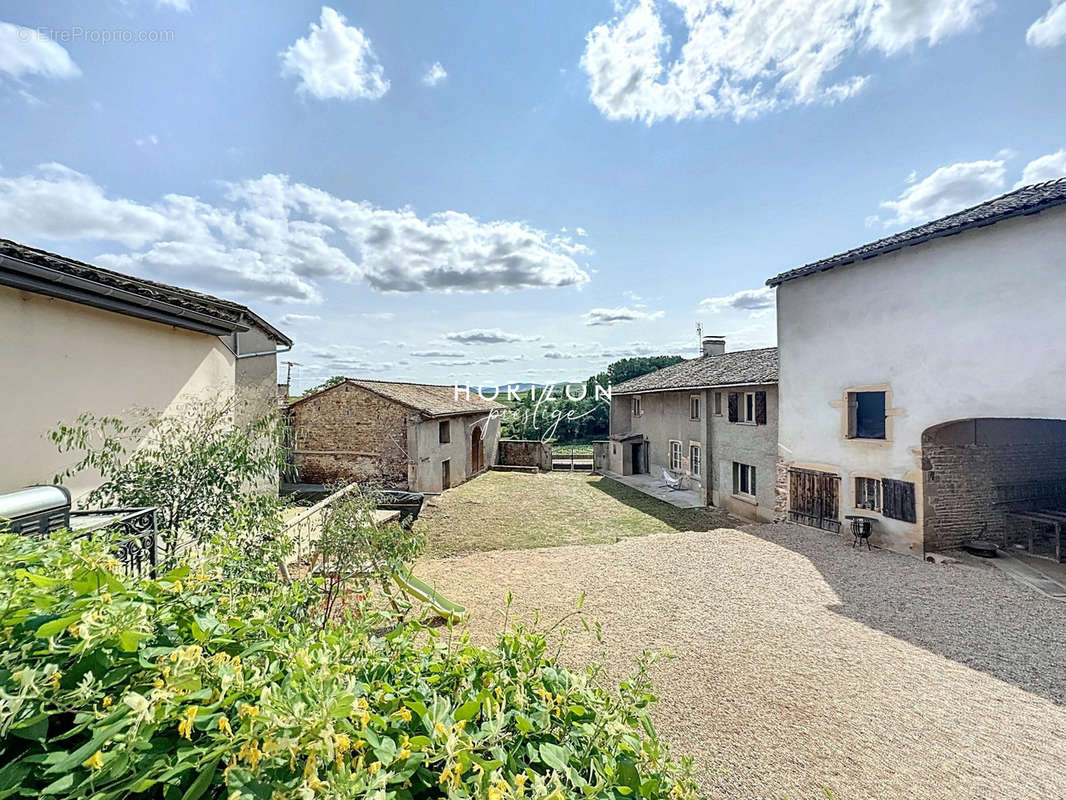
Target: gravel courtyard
x,y
803,665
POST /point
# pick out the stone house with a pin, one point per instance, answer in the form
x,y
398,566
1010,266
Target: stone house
x,y
388,434
80,338
712,421
922,375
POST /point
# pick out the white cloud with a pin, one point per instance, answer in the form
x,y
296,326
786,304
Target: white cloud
x,y
335,61
296,319
612,316
275,239
1045,168
946,190
581,231
435,354
149,140
1050,29
487,336
753,300
434,74
177,5
745,57
25,52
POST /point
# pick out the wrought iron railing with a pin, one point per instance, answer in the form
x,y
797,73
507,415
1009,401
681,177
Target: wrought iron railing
x,y
137,546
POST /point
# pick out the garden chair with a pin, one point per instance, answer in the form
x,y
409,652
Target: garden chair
x,y
670,482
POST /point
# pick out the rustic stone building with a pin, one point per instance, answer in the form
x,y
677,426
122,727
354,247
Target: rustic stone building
x,y
397,435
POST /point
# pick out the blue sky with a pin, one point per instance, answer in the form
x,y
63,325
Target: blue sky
x,y
511,191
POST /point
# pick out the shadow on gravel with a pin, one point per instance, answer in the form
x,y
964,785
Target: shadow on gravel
x,y
970,615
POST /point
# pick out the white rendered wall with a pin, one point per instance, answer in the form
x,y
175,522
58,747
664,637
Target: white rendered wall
x,y
971,325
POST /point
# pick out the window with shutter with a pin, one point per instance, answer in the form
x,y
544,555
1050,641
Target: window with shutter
x,y
898,498
734,407
760,408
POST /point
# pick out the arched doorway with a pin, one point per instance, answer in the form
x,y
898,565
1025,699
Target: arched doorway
x,y
477,451
996,479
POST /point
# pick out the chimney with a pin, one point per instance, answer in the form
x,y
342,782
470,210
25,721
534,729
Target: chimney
x,y
713,345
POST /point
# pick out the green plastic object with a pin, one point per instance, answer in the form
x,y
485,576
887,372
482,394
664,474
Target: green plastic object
x,y
419,590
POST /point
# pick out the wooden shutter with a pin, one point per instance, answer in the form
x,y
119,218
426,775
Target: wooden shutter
x,y
760,408
853,415
898,500
734,407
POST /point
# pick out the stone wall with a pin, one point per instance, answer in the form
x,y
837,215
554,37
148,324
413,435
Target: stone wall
x,y
966,465
525,453
349,434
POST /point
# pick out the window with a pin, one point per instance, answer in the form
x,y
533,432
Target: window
x,y
866,415
718,404
747,408
695,457
675,456
868,494
743,479
445,432
694,406
638,407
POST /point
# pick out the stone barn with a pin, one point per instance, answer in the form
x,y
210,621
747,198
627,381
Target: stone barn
x,y
420,437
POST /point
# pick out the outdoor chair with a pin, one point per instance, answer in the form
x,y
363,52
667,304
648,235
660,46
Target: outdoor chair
x,y
672,483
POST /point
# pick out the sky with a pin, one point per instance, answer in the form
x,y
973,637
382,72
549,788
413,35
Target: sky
x,y
511,191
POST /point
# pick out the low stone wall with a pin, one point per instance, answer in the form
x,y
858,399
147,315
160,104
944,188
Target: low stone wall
x,y
524,453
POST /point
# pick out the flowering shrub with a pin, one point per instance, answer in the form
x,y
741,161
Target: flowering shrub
x,y
185,687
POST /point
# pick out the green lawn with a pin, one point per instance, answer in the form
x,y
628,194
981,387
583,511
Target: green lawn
x,y
514,510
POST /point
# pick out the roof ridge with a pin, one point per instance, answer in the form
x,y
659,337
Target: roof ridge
x,y
1029,199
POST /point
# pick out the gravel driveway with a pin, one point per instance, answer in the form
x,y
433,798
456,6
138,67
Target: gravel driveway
x,y
804,665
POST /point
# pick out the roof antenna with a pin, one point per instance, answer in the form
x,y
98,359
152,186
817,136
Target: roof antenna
x,y
699,337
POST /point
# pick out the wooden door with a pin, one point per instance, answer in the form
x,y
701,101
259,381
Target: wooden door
x,y
477,451
445,474
814,499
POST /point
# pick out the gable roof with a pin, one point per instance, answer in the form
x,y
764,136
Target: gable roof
x,y
1027,200
32,270
426,398
738,368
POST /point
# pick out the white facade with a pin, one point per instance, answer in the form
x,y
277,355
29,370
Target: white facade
x,y
965,326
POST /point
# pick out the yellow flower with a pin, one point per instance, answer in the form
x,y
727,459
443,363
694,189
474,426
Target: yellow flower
x,y
185,726
362,704
55,678
520,780
106,597
247,711
107,701
95,761
440,730
342,743
446,775
403,713
373,768
224,726
364,718
495,793
403,754
251,753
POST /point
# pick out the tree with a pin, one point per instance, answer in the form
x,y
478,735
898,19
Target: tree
x,y
203,466
325,385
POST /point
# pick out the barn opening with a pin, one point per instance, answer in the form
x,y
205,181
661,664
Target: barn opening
x,y
996,479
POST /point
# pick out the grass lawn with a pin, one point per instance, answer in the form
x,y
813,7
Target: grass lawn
x,y
512,510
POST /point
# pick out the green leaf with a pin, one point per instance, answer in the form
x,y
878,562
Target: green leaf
x,y
78,756
555,756
199,786
467,710
56,625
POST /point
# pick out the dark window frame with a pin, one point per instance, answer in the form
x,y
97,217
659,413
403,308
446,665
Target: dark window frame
x,y
444,432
